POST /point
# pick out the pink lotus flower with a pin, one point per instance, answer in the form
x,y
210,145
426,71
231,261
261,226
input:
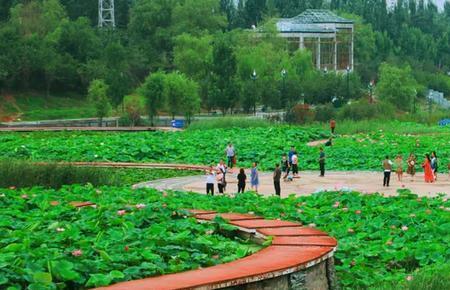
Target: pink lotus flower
x,y
54,203
93,205
126,248
121,212
77,253
345,209
441,207
409,278
445,200
412,215
210,232
215,257
353,263
336,204
404,228
358,211
164,205
12,187
164,194
24,196
389,243
140,206
60,230
300,211
428,211
351,231
393,227
312,225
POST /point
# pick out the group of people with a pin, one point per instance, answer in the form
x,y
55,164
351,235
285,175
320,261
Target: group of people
x,y
289,163
429,165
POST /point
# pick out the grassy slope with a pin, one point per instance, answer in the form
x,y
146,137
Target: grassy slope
x,y
32,106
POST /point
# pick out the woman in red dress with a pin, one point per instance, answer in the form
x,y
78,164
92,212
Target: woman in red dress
x,y
429,177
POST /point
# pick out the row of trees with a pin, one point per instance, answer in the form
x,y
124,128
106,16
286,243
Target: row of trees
x,y
54,46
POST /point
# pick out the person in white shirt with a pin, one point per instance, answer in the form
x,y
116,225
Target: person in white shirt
x,y
387,166
295,164
210,181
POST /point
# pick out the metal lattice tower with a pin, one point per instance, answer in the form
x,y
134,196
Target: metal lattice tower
x,y
106,13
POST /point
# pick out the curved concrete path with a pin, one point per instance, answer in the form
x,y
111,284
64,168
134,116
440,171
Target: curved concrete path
x,y
310,182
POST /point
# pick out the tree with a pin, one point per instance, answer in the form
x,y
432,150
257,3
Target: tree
x,y
134,107
181,95
153,91
97,95
224,67
397,86
197,17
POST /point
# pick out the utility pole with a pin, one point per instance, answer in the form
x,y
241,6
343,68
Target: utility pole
x,y
106,14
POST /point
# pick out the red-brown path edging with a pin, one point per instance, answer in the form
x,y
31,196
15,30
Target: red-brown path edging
x,y
95,129
294,249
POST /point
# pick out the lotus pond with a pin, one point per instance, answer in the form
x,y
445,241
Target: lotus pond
x,y
132,234
355,152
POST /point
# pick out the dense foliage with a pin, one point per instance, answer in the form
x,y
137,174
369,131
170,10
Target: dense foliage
x,y
53,46
26,174
380,239
264,145
127,235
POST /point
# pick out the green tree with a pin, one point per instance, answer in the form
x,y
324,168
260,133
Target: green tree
x,y
181,95
197,17
153,91
134,108
396,85
223,71
98,96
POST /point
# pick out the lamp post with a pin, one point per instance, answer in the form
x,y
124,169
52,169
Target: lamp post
x,y
254,76
414,101
283,76
348,82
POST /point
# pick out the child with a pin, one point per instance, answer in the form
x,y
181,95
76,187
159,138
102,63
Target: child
x,y
295,165
399,167
241,180
220,181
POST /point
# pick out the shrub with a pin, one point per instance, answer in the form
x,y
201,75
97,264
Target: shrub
x,y
324,113
300,114
228,122
362,110
26,174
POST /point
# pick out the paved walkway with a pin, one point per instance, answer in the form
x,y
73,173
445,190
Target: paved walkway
x,y
310,182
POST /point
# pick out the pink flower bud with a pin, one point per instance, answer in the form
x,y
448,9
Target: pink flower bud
x,y
77,253
121,212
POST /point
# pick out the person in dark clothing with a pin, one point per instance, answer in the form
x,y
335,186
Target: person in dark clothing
x,y
241,180
387,166
285,166
276,179
322,162
329,142
291,153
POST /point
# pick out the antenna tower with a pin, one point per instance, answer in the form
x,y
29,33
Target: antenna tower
x,y
106,13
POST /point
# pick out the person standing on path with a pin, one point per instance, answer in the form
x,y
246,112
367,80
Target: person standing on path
x,y
411,166
426,165
230,151
241,180
254,176
295,165
221,181
285,166
399,167
322,162
387,166
276,179
332,125
290,154
210,181
434,164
